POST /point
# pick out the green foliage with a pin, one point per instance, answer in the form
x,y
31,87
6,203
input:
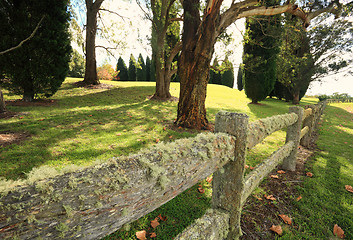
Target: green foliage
x,y
132,68
260,55
215,73
240,85
296,63
337,96
148,68
38,67
228,74
123,74
141,69
77,65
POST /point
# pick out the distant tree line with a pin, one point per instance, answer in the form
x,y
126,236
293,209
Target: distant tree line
x,y
342,97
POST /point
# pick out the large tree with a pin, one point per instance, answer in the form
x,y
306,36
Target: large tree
x,y
199,36
92,8
165,43
40,65
261,46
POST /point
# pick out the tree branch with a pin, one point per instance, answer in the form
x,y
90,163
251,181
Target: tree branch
x,y
27,39
106,10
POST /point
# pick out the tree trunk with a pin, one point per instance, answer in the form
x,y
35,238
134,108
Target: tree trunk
x,y
28,91
2,103
194,66
162,80
91,31
296,97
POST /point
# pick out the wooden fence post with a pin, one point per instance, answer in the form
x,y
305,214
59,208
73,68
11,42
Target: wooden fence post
x,y
293,134
228,182
308,122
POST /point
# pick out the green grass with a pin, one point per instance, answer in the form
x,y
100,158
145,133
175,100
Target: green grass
x,y
89,124
325,201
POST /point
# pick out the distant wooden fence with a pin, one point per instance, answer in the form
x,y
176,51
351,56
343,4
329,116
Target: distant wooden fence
x,y
347,100
93,202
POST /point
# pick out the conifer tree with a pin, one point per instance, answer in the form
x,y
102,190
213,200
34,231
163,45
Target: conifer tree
x,y
123,74
228,73
132,68
260,54
240,85
38,67
141,69
148,68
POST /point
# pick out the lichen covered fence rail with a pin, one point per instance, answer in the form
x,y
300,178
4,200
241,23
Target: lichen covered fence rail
x,y
91,202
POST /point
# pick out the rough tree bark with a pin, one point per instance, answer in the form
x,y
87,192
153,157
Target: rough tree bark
x,y
198,42
91,31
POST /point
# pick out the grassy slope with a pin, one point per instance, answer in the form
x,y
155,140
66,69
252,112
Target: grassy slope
x,y
86,124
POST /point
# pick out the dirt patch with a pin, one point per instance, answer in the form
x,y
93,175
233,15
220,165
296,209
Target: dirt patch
x,y
36,102
7,138
91,86
259,213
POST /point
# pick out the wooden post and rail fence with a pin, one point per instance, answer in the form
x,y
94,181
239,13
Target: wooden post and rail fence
x,y
92,202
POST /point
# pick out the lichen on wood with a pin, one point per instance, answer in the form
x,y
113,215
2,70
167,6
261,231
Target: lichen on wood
x,y
214,225
262,128
91,202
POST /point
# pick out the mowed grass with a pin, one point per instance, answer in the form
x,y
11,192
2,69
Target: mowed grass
x,y
325,200
85,125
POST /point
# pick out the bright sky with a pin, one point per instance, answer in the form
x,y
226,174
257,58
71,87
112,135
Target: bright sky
x,y
134,31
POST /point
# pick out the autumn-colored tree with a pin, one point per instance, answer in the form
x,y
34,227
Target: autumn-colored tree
x,y
106,72
200,33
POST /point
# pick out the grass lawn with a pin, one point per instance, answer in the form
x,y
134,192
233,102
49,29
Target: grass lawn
x,y
83,125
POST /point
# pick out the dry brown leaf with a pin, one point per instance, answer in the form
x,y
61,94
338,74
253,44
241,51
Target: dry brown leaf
x,y
201,190
298,198
277,229
270,197
309,174
258,198
349,188
209,179
274,176
246,166
252,168
154,223
157,140
162,218
337,231
141,235
281,172
286,219
153,235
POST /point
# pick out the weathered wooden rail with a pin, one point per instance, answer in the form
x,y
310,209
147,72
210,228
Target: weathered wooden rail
x,y
91,202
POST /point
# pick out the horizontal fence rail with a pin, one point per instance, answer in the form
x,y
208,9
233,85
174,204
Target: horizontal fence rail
x,y
97,201
92,202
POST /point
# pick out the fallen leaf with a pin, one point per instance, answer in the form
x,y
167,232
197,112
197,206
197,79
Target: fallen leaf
x,y
309,174
90,115
139,140
281,172
270,197
258,198
153,235
252,168
274,176
170,137
20,117
337,231
298,198
349,188
141,235
94,129
277,229
286,219
157,140
246,166
162,218
118,134
209,179
154,223
201,190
